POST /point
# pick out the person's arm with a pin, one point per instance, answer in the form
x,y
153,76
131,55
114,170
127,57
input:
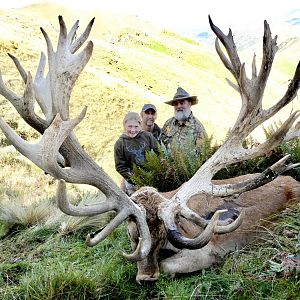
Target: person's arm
x,y
120,162
153,144
164,138
201,135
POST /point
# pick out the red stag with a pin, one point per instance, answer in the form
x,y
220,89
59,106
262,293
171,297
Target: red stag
x,y
202,220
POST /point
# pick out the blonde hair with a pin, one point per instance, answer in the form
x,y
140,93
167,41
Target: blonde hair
x,y
132,116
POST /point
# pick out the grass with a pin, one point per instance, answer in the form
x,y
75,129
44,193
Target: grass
x,y
159,47
40,263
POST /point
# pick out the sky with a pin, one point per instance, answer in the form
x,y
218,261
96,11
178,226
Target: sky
x,y
187,15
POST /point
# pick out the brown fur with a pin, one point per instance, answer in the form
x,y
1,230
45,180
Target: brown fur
x,y
148,269
257,204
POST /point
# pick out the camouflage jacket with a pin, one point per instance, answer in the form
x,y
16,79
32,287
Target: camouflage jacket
x,y
172,132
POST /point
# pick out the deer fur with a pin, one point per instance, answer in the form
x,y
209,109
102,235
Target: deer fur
x,y
258,204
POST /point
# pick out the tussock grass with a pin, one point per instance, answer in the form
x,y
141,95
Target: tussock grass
x,y
14,213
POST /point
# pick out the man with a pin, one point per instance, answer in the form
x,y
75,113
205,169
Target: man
x,y
148,115
178,128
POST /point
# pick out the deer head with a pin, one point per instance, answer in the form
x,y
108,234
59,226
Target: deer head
x,y
60,154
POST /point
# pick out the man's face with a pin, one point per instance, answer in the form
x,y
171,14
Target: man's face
x,y
182,109
148,117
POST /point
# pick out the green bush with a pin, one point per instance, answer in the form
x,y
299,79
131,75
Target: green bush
x,y
170,169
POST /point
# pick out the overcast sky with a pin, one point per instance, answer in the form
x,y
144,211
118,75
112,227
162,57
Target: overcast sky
x,y
185,15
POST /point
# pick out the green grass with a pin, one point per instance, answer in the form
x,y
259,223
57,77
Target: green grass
x,y
159,47
38,263
180,37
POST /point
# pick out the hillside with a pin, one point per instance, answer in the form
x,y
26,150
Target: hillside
x,y
133,63
43,253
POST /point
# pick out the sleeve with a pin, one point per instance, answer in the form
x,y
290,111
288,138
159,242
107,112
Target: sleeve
x,y
163,136
153,144
120,162
200,136
203,132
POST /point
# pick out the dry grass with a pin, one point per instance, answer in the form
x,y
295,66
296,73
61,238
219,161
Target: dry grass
x,y
18,214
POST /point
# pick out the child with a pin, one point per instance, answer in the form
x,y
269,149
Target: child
x,y
131,148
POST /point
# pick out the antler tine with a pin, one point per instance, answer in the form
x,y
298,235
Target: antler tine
x,y
189,214
72,33
254,70
42,90
179,241
227,41
24,105
144,241
18,65
269,50
232,226
65,206
287,98
83,37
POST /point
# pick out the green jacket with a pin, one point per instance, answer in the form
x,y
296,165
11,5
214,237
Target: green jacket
x,y
129,151
172,132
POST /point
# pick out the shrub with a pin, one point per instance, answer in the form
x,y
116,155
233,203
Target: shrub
x,y
171,168
17,214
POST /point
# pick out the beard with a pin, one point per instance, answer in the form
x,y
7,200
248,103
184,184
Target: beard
x,y
149,122
181,115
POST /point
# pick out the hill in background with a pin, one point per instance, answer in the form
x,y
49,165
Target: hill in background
x,y
134,63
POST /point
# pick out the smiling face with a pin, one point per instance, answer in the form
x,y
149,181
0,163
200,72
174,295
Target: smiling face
x,y
182,109
132,128
148,117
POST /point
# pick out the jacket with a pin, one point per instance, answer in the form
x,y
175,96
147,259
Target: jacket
x,y
172,132
129,151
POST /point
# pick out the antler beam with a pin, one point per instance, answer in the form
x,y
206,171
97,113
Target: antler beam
x,y
59,153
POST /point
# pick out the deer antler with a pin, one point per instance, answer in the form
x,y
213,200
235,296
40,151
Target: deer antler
x,y
232,151
59,146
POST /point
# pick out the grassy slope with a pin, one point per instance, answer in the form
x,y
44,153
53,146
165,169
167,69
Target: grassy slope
x,y
133,63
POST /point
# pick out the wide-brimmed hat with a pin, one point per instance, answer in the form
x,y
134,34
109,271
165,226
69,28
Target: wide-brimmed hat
x,y
148,106
181,94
